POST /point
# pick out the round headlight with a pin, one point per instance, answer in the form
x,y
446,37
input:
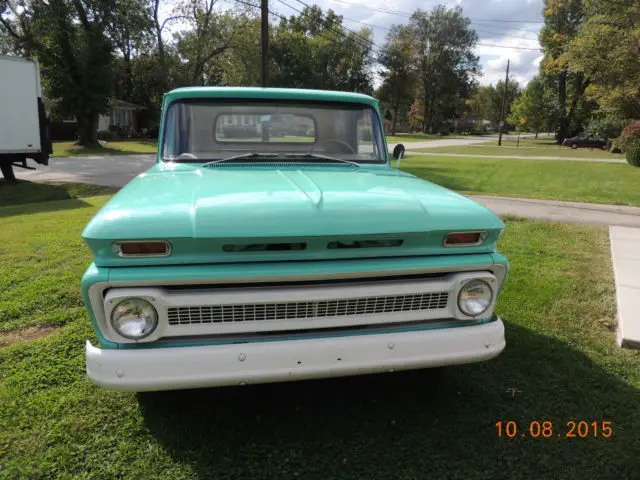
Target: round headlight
x,y
475,298
134,318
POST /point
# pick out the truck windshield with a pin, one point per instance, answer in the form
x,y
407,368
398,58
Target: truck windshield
x,y
205,131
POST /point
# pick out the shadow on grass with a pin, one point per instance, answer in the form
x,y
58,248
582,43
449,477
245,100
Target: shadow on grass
x,y
24,197
437,423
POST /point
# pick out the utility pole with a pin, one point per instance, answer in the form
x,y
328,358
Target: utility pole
x,y
264,8
504,99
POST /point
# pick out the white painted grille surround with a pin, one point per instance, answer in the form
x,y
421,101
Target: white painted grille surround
x,y
250,309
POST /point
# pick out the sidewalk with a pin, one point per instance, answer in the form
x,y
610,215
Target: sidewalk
x,y
625,254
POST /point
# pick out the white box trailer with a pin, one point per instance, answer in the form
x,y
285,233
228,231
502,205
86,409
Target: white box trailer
x,y
24,129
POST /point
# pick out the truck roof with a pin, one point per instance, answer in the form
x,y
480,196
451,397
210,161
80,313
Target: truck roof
x,y
269,93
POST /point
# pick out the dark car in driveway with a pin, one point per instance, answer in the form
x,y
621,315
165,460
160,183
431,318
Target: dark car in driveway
x,y
582,141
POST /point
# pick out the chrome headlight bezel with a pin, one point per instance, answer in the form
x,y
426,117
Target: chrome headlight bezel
x,y
150,317
486,301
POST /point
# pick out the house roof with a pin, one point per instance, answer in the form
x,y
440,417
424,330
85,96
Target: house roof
x,y
269,93
122,103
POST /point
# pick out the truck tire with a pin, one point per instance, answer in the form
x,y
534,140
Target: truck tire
x,y
7,171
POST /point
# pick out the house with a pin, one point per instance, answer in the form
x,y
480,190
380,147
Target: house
x,y
122,117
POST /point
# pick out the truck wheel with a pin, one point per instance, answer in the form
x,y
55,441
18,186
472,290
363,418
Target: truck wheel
x,y
574,145
7,171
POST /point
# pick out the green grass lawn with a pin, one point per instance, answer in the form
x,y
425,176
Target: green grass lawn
x,y
561,364
122,147
529,147
555,180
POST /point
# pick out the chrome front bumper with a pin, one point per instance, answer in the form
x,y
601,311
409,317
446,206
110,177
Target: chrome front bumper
x,y
273,361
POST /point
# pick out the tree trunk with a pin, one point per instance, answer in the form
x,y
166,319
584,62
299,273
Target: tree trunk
x,y
88,130
128,85
396,107
563,129
537,130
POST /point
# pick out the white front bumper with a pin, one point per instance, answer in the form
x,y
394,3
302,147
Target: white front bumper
x,y
273,361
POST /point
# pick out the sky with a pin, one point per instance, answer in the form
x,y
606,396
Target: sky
x,y
508,29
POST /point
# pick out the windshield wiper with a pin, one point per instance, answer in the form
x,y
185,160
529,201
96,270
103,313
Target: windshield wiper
x,y
321,157
241,157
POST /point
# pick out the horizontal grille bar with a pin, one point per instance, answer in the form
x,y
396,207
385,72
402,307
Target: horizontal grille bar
x,y
257,312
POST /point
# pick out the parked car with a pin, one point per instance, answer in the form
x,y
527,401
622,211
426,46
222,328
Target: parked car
x,y
582,141
252,260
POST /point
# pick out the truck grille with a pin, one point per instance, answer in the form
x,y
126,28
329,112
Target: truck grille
x,y
257,312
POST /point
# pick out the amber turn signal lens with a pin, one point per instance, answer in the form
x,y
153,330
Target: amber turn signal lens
x,y
463,238
143,248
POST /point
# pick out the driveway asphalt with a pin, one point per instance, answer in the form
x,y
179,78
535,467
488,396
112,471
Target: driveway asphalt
x,y
110,171
521,157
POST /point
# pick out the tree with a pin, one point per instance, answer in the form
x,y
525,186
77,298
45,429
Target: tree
x,y
314,50
416,114
479,105
563,19
69,38
241,62
496,95
606,51
446,64
398,73
130,31
207,35
531,110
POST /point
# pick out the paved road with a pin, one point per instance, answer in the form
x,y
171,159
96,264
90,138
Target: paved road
x,y
521,157
452,142
448,142
111,171
571,212
117,171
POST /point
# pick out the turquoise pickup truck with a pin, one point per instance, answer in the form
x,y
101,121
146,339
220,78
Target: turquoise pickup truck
x,y
273,241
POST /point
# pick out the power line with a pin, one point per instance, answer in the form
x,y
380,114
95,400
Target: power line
x,y
408,15
378,49
282,17
378,27
507,46
477,30
355,33
371,46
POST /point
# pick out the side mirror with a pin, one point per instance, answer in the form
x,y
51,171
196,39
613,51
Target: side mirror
x,y
398,151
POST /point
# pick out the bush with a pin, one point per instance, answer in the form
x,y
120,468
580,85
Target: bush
x,y
629,142
633,157
605,127
108,136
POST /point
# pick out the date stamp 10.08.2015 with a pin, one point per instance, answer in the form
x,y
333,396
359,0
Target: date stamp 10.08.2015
x,y
549,429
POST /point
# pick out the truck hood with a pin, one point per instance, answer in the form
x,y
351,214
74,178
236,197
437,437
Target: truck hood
x,y
234,204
